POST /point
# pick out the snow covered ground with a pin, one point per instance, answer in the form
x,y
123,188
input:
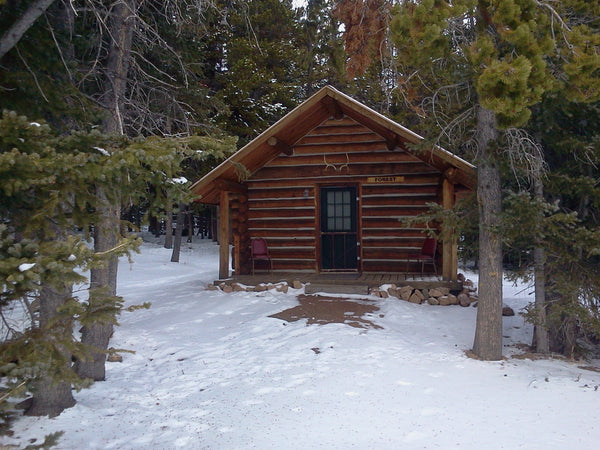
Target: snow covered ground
x,y
213,371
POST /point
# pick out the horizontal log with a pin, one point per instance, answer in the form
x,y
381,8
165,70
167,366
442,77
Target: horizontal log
x,y
272,190
385,222
345,121
398,200
340,138
362,170
291,241
304,202
411,182
350,127
387,253
421,184
377,157
349,147
397,231
294,264
298,223
268,233
394,210
281,214
292,253
399,241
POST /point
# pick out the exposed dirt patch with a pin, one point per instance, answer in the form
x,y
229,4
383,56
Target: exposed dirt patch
x,y
322,310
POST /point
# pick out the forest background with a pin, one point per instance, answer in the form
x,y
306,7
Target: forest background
x,y
110,107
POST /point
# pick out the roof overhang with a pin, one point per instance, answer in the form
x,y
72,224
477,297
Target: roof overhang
x,y
326,103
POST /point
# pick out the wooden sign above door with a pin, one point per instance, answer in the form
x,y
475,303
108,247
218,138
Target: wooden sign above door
x,y
385,179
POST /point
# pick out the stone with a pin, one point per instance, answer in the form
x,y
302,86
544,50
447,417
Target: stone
x,y
211,287
444,290
435,292
453,299
433,301
393,292
507,311
261,287
405,292
237,287
460,277
416,298
270,286
227,289
444,300
383,294
283,288
114,357
463,299
296,284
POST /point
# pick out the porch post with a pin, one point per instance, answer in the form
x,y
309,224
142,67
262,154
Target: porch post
x,y
449,245
224,235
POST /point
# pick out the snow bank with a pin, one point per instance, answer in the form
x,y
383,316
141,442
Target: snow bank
x,y
212,370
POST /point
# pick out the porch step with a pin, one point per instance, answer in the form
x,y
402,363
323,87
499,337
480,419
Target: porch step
x,y
359,289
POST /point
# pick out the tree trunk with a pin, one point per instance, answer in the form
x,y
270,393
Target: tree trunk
x,y
169,225
541,342
103,281
488,333
12,36
50,396
103,286
189,217
121,27
178,231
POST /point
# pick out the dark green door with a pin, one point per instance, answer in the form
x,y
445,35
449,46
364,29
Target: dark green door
x,y
339,234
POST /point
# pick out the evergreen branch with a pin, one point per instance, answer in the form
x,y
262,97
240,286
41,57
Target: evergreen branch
x,y
112,250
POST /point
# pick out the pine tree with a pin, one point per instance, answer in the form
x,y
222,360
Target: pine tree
x,y
496,58
258,77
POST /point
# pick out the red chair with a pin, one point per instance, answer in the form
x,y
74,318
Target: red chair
x,y
427,255
260,252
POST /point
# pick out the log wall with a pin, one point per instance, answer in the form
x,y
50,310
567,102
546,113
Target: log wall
x,y
283,197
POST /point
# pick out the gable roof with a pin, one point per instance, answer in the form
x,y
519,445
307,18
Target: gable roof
x,y
326,103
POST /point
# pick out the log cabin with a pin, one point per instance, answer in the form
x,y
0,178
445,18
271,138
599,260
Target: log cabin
x,y
329,187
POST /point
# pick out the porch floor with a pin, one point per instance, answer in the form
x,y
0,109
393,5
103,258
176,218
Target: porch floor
x,y
370,280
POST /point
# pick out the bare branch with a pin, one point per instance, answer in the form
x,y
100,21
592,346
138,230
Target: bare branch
x,y
524,153
32,74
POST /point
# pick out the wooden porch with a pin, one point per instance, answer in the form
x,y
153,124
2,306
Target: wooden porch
x,y
343,283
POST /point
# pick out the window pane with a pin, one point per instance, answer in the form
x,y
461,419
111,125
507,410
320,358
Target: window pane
x,y
346,210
